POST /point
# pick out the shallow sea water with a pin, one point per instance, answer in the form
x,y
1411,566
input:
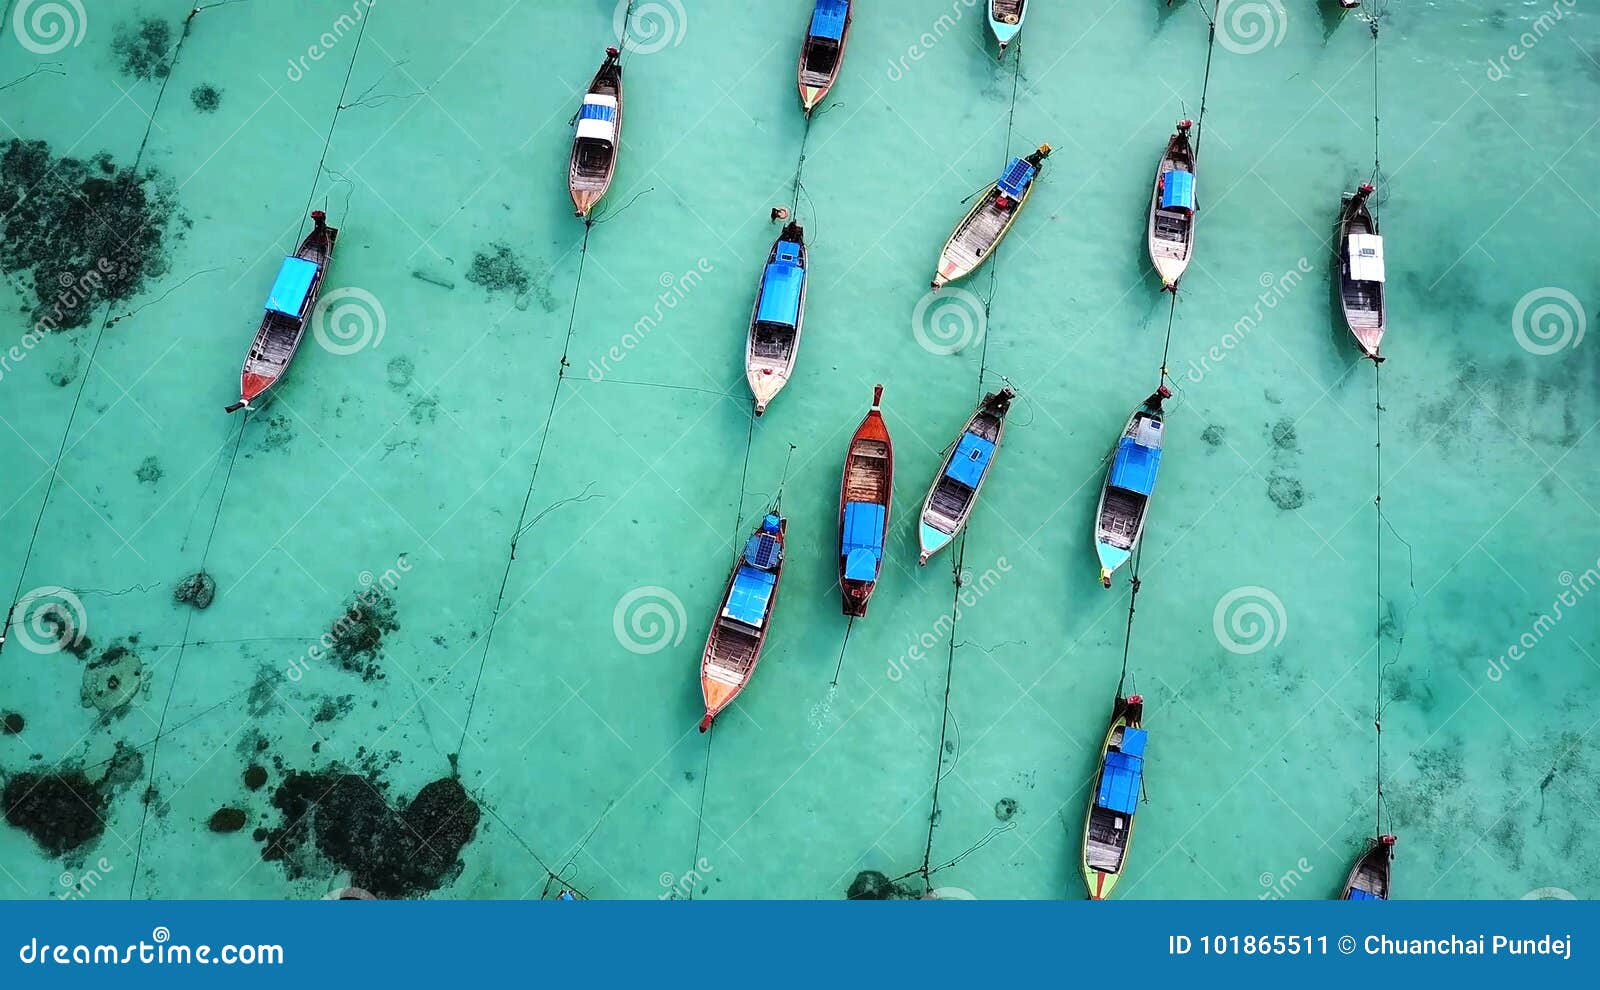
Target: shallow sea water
x,y
559,685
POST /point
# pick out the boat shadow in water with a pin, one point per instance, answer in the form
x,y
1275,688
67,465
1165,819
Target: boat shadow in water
x,y
1333,17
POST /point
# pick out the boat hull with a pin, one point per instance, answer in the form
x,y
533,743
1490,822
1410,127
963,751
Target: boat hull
x,y
1171,258
767,374
955,263
989,423
1366,324
868,477
586,186
731,654
1113,525
277,341
1101,882
814,87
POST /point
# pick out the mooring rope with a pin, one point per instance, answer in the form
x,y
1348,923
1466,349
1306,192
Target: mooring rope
x,y
1377,500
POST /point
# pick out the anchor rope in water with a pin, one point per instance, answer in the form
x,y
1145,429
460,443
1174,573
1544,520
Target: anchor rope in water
x,y
1379,522
959,553
94,351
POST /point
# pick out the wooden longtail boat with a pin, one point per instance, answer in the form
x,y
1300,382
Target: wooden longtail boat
x,y
1369,878
864,494
740,628
289,305
778,317
1108,824
822,54
984,226
1360,278
599,137
1005,20
1125,498
955,489
1172,208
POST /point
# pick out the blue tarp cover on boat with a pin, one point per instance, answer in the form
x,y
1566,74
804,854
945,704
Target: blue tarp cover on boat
x,y
1362,895
762,550
596,111
1119,783
1177,190
1014,180
827,21
971,459
1135,467
1133,741
780,294
862,540
752,589
289,291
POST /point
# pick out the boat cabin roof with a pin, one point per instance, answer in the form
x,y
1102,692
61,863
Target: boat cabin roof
x,y
1177,190
861,541
1134,467
970,460
1357,894
1122,775
751,592
828,20
1366,257
597,118
781,286
1018,174
292,286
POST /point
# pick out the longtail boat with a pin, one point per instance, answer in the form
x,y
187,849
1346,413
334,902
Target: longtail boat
x,y
778,317
1125,497
864,494
1171,229
1108,825
740,628
955,488
598,138
984,226
822,54
1361,271
1005,20
289,304
1369,878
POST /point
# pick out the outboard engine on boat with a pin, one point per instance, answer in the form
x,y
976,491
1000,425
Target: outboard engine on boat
x,y
319,218
1184,125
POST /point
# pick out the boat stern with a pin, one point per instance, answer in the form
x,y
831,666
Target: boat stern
x,y
810,96
1111,558
765,385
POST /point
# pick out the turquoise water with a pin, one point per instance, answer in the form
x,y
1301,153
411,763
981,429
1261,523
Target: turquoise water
x,y
459,409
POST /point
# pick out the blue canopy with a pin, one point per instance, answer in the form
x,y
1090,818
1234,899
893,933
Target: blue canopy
x,y
970,460
788,251
780,294
1362,895
293,284
1133,741
861,542
597,111
748,598
827,21
762,551
1119,783
1177,190
1134,468
1014,180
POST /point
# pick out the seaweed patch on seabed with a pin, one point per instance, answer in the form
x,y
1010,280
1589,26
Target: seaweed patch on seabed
x,y
335,820
63,809
141,48
85,230
112,680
